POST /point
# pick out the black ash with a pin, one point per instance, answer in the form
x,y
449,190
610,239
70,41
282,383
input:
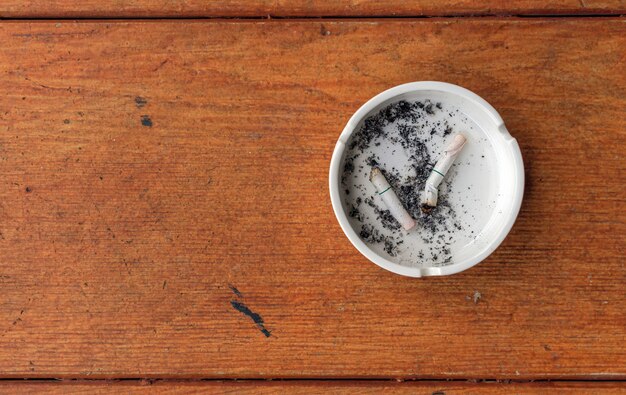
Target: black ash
x,y
371,235
412,126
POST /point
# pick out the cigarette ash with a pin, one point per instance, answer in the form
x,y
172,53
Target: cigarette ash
x,y
411,127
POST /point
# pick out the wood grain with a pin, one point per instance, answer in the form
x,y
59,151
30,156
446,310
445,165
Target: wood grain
x,y
315,387
130,250
300,8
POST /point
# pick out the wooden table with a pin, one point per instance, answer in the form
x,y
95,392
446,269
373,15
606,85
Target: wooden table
x,y
165,218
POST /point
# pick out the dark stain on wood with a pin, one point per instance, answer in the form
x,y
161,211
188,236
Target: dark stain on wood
x,y
146,121
140,101
245,310
235,290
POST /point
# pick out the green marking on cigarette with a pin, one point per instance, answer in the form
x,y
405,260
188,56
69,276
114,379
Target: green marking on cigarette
x,y
442,175
380,193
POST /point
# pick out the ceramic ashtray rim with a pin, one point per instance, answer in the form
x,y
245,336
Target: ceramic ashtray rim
x,y
335,178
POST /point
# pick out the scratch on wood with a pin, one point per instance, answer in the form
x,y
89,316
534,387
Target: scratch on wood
x,y
160,65
42,85
48,36
245,310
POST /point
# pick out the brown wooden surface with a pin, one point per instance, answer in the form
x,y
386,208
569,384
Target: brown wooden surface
x,y
119,242
299,8
315,387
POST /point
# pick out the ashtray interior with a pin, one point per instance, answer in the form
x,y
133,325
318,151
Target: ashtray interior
x,y
404,136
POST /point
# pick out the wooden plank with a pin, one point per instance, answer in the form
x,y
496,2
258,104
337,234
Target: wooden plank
x,y
315,387
122,240
300,8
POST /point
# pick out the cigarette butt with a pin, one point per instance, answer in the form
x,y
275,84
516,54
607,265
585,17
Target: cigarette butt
x,y
391,199
429,199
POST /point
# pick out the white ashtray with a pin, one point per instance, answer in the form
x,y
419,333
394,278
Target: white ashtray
x,y
403,131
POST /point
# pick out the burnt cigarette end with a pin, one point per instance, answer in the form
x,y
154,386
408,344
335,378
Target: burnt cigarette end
x,y
427,208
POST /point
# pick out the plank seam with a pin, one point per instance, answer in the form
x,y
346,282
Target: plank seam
x,y
318,17
259,380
